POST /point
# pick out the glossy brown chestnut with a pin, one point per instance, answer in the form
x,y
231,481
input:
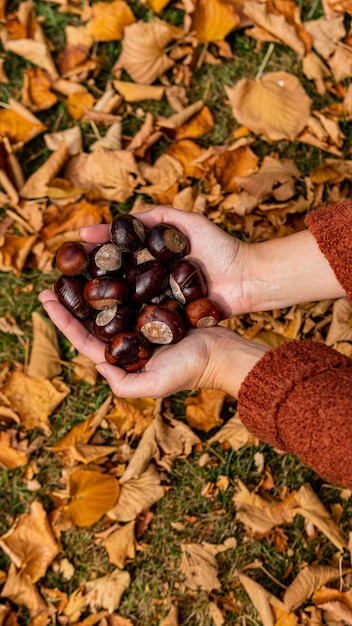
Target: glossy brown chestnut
x,y
69,291
203,313
72,258
102,293
105,260
147,280
127,233
161,325
114,320
129,350
166,242
187,282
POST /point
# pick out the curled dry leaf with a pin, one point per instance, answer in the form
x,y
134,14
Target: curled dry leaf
x,y
19,589
165,172
138,495
132,417
36,186
275,176
132,92
14,251
121,544
307,581
213,20
340,328
203,411
36,91
10,458
45,358
17,127
106,592
30,543
68,219
72,137
262,514
337,604
113,174
112,139
263,600
92,494
233,432
275,106
37,52
143,51
79,103
109,20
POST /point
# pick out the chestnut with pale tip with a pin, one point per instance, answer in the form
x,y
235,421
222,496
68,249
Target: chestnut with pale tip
x,y
127,232
114,320
160,324
72,258
69,291
104,292
187,282
204,313
166,242
128,350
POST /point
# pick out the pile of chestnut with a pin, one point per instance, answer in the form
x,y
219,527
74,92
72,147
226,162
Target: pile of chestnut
x,y
136,291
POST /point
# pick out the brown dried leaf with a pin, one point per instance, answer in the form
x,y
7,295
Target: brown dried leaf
x,y
20,589
14,251
131,416
45,358
200,124
234,164
137,495
199,566
79,103
132,92
213,20
69,219
106,592
203,410
33,399
37,52
10,457
275,106
337,604
172,618
233,432
274,176
113,174
84,369
263,600
143,51
36,92
189,153
92,494
340,328
109,19
71,136
326,33
30,543
36,185
163,174
262,514
313,509
17,127
121,544
307,581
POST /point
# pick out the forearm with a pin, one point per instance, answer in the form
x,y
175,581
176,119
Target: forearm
x,y
290,270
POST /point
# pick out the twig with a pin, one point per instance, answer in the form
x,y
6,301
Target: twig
x,y
265,61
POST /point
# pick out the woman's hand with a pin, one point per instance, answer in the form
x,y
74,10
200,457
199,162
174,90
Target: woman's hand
x,y
212,358
222,258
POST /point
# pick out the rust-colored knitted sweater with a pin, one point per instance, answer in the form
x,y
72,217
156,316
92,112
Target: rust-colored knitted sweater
x,y
298,397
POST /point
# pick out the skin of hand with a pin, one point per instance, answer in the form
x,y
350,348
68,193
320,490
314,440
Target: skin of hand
x,y
212,358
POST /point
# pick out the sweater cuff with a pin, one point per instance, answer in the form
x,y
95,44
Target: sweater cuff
x,y
272,379
331,225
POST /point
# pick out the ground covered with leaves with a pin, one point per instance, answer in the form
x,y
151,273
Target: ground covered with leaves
x,y
146,512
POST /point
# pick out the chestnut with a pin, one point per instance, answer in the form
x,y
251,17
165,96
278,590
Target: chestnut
x,y
187,282
116,319
105,260
203,313
72,258
127,232
147,280
129,350
104,292
160,324
70,293
166,242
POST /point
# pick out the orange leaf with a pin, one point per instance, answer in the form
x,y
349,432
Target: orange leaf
x,y
58,220
187,152
157,5
14,250
9,456
36,93
109,20
203,410
197,126
233,163
92,495
213,20
79,103
18,128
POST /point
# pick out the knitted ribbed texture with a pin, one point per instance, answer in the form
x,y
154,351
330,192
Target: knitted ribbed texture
x,y
298,397
331,226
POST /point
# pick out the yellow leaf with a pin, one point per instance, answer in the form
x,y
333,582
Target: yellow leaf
x,y
203,410
133,92
10,458
20,589
92,494
130,416
83,431
143,51
79,103
275,106
313,509
45,358
36,93
18,128
106,592
213,20
233,164
197,126
157,5
72,217
109,20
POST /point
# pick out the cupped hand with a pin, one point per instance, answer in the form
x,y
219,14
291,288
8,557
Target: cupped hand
x,y
213,358
224,259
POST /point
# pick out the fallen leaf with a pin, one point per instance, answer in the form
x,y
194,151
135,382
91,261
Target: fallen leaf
x,y
79,103
262,514
121,544
172,618
14,251
233,432
109,19
132,92
106,592
340,328
275,106
36,186
336,603
263,600
200,568
203,410
130,416
19,589
91,494
37,52
10,458
143,51
136,495
307,581
45,358
213,20
17,128
69,219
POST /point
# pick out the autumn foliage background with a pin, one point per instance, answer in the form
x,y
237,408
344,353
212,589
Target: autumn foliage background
x,y
134,512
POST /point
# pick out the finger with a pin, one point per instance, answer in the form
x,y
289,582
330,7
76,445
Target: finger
x,y
72,328
99,233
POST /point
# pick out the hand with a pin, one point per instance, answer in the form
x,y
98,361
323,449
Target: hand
x,y
212,358
222,258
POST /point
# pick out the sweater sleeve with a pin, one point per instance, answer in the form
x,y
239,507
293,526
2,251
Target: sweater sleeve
x,y
298,397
